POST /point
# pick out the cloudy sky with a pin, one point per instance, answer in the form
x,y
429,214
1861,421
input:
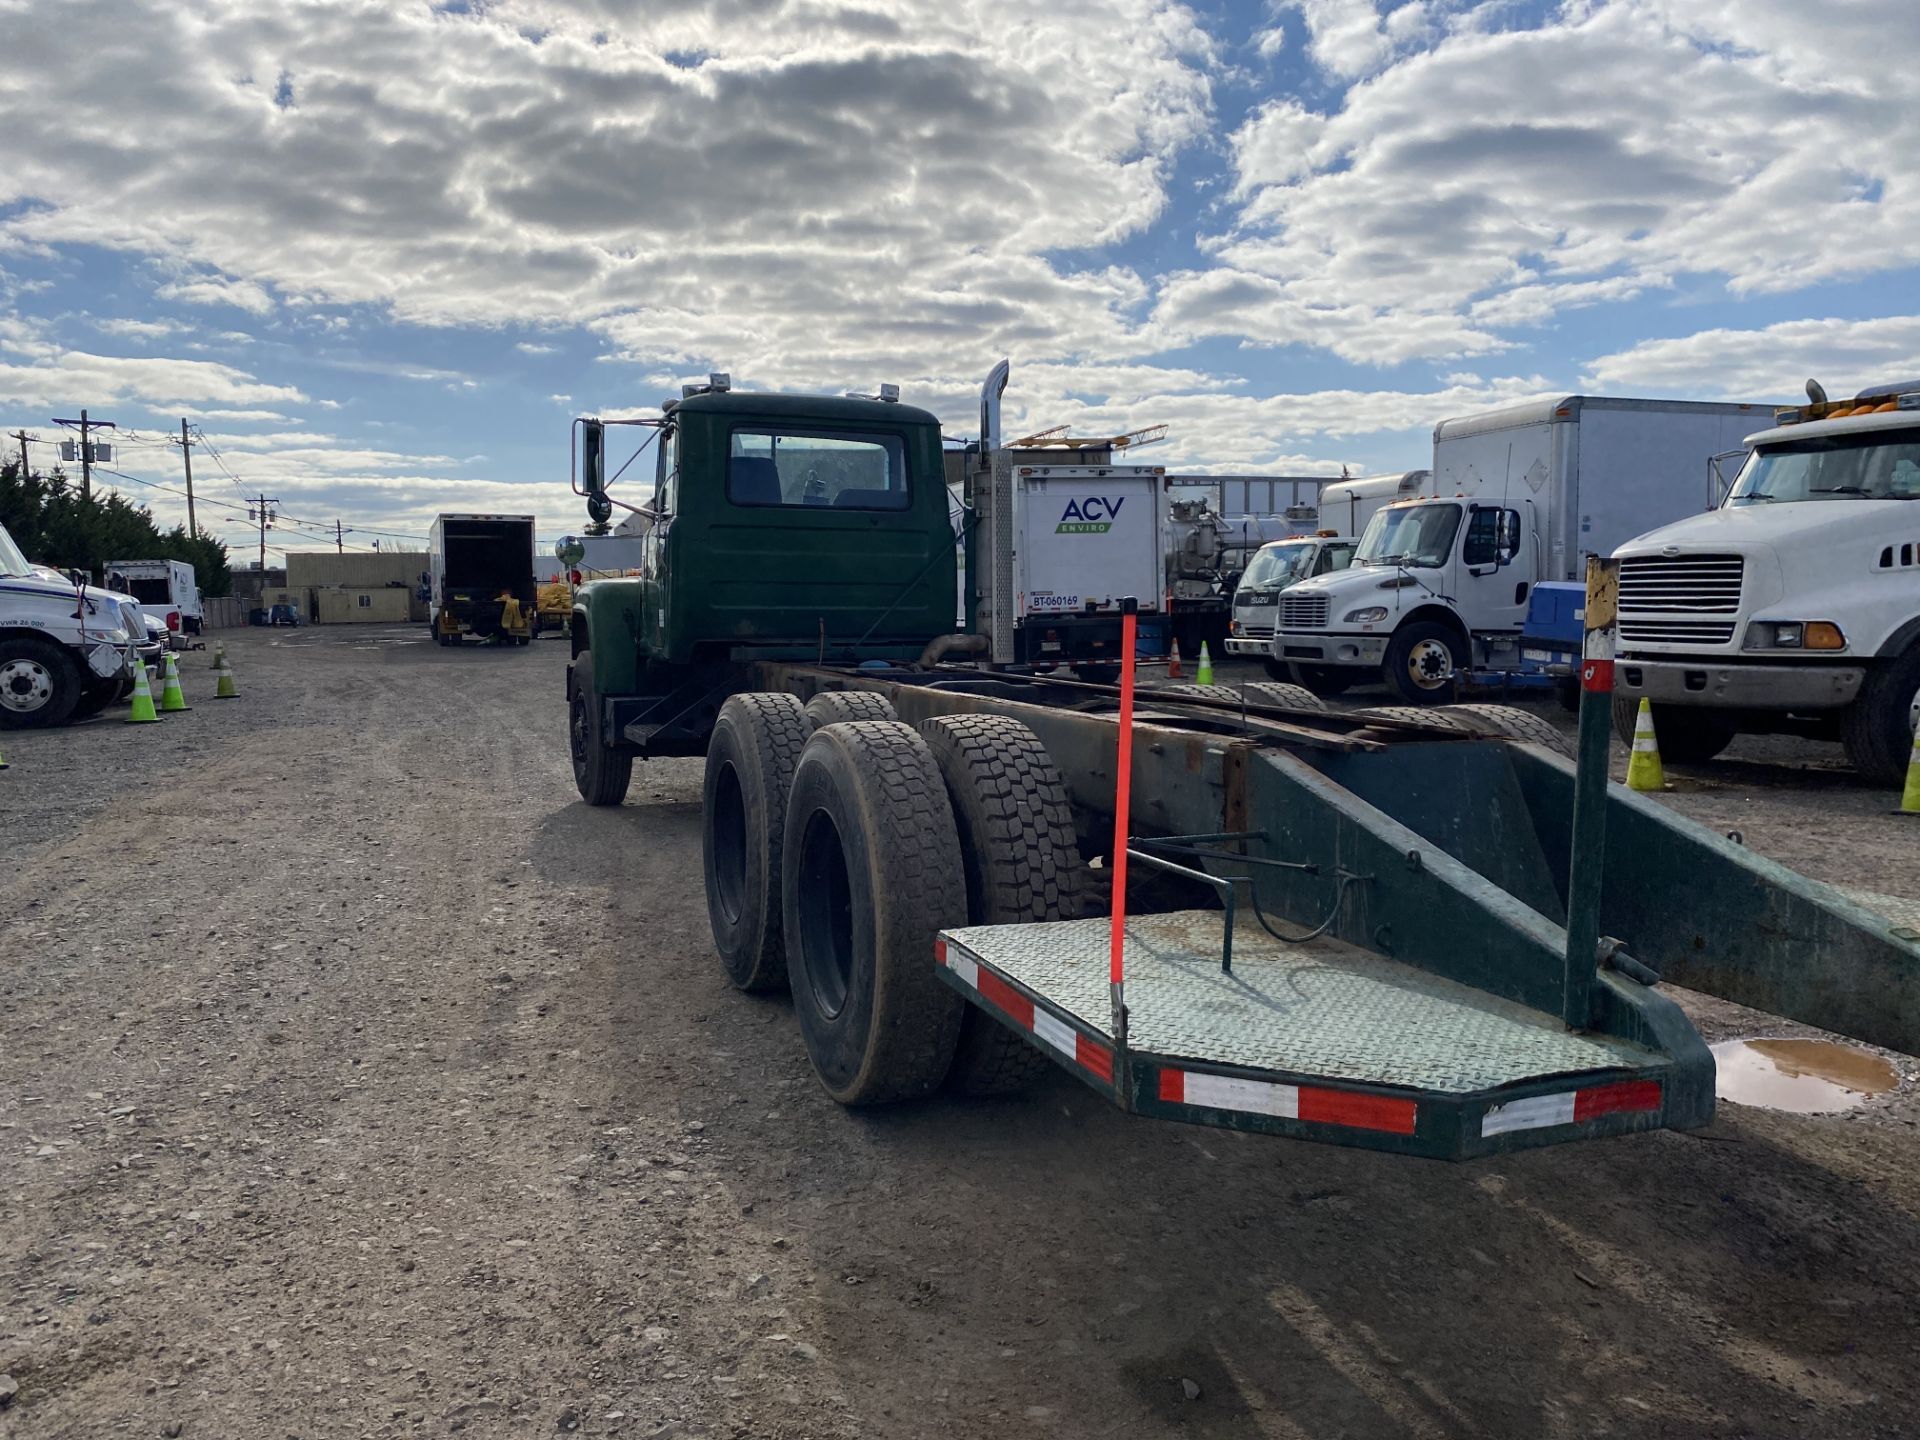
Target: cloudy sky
x,y
379,252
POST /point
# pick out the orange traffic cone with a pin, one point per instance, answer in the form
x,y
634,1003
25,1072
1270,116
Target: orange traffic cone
x,y
1173,661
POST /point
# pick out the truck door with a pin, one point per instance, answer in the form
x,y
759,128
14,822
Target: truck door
x,y
1495,572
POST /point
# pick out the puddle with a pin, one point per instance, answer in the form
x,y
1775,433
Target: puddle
x,y
1807,1077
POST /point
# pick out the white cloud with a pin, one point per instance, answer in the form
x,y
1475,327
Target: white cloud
x,y
137,329
1504,176
219,290
528,347
1771,363
1352,38
51,375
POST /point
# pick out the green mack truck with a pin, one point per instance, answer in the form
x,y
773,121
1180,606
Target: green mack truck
x,y
1364,928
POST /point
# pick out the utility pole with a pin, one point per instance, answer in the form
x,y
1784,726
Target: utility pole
x,y
87,427
263,502
23,438
339,545
186,457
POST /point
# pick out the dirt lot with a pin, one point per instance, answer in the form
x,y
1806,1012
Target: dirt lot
x,y
357,1080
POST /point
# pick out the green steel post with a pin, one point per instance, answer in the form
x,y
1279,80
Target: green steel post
x,y
1585,867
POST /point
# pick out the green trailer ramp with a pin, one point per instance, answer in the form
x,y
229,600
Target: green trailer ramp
x,y
1319,1041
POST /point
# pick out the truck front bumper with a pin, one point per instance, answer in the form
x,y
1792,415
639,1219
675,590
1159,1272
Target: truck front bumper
x,y
1735,685
1250,649
1307,649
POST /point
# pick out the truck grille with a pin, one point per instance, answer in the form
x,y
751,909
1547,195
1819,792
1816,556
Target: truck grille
x,y
1686,584
1676,632
1303,612
1255,632
1665,600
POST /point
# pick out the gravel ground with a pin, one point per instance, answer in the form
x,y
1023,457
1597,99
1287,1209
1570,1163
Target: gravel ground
x,y
357,1080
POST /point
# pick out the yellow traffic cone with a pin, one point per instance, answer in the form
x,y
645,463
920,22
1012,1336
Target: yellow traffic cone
x,y
1173,662
1643,765
172,697
219,653
3,762
1910,797
1203,672
226,689
142,712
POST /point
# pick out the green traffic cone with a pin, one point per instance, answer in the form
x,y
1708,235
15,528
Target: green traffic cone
x,y
1203,672
219,653
142,712
226,689
172,697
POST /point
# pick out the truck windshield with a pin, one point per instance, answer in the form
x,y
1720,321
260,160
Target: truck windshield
x,y
1409,535
12,562
1878,465
835,468
1278,565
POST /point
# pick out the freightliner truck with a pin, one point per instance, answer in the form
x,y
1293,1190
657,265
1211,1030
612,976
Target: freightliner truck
x,y
480,578
1441,582
1795,606
66,651
1357,928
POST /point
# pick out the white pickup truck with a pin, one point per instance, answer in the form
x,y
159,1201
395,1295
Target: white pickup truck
x,y
1795,606
66,651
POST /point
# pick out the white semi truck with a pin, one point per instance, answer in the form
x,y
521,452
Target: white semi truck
x,y
1440,582
1795,606
66,651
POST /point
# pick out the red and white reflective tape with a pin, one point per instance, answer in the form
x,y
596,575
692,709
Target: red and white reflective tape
x,y
1288,1102
1571,1107
1053,1032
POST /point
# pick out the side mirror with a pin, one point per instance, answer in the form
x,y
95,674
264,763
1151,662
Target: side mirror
x,y
593,470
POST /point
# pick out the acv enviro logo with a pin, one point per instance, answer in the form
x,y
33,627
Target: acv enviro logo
x,y
1092,516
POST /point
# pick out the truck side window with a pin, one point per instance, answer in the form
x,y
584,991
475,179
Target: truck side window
x,y
841,469
1493,537
666,471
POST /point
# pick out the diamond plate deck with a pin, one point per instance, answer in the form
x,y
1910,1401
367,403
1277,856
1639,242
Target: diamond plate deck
x,y
1322,1009
1903,914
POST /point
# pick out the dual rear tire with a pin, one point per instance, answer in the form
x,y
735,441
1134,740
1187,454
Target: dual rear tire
x,y
835,855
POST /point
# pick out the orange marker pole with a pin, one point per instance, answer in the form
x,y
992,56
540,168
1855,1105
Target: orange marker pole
x,y
1122,800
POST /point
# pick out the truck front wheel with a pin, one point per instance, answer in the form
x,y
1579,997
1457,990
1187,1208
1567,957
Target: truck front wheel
x,y
1421,661
1877,729
1323,680
39,683
870,873
1685,734
599,771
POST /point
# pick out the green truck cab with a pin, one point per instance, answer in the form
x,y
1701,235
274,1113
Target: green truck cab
x,y
798,527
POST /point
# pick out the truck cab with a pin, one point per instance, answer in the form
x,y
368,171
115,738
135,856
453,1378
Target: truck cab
x,y
775,527
1397,609
66,651
1273,568
1795,606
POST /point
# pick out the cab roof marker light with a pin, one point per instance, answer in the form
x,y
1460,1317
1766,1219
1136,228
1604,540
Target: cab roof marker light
x,y
890,394
720,383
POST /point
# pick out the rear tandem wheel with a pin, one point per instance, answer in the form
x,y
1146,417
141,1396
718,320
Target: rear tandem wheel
x,y
870,874
1021,863
756,742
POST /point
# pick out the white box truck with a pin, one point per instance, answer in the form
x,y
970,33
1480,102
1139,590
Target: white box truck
x,y
1347,505
480,578
66,651
1440,582
1795,606
166,590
